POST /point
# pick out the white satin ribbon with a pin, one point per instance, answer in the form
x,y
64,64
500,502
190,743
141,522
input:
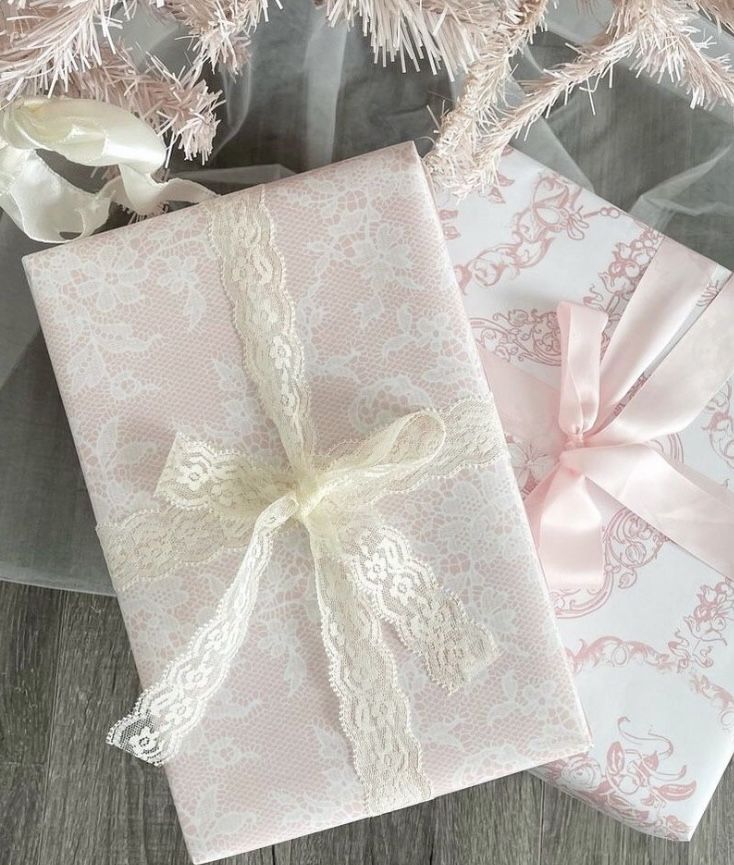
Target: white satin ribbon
x,y
48,207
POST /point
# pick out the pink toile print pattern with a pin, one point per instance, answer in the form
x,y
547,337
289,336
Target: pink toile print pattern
x,y
384,333
636,768
652,648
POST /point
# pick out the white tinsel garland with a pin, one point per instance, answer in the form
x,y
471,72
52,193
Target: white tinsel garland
x,y
72,47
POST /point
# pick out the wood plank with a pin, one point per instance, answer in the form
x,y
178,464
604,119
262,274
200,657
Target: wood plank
x,y
345,845
574,832
30,623
403,837
713,843
256,857
105,808
496,823
21,813
102,806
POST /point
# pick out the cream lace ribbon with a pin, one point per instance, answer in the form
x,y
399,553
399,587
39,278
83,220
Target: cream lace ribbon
x,y
213,501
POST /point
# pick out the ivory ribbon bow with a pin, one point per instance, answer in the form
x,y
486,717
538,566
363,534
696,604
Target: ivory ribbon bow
x,y
600,438
364,569
46,206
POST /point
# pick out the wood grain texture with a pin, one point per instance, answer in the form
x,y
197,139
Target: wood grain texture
x,y
21,813
572,829
66,798
714,839
30,625
102,807
404,837
496,823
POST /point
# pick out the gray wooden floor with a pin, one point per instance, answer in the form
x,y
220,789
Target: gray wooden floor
x,y
68,799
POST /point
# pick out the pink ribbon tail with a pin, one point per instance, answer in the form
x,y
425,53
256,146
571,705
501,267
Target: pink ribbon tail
x,y
567,529
597,442
686,507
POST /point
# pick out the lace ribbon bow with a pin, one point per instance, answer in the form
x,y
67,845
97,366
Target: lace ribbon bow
x,y
605,425
365,571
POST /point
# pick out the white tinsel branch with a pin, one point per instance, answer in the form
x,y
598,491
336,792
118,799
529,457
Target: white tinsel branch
x,y
220,29
484,88
657,37
41,44
66,47
721,12
444,33
180,107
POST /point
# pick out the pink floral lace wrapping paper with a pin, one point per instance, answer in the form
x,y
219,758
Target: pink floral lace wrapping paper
x,y
651,650
141,337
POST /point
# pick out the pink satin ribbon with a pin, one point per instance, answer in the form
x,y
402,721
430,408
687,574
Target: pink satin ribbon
x,y
596,442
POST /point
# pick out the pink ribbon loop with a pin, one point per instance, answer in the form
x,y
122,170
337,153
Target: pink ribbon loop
x,y
600,444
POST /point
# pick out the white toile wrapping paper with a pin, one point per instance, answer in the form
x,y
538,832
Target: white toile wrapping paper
x,y
141,336
651,650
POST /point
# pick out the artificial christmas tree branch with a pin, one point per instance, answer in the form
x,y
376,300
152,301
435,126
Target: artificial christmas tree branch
x,y
220,29
67,47
449,34
656,37
721,12
452,158
181,108
42,44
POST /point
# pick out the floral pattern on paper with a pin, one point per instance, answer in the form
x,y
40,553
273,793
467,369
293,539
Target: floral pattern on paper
x,y
521,335
118,462
718,696
617,283
705,627
339,799
284,620
240,416
176,269
94,344
494,194
616,652
636,625
208,825
555,212
720,424
611,651
636,782
380,403
531,335
92,311
629,544
531,463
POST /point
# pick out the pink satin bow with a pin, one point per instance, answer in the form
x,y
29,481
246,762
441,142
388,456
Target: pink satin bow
x,y
599,439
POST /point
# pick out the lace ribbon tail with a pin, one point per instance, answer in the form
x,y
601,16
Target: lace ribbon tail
x,y
429,619
168,710
373,710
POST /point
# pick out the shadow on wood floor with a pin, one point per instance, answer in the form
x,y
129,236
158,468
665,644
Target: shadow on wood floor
x,y
66,798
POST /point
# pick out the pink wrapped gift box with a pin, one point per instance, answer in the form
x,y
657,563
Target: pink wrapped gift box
x,y
140,331
650,643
